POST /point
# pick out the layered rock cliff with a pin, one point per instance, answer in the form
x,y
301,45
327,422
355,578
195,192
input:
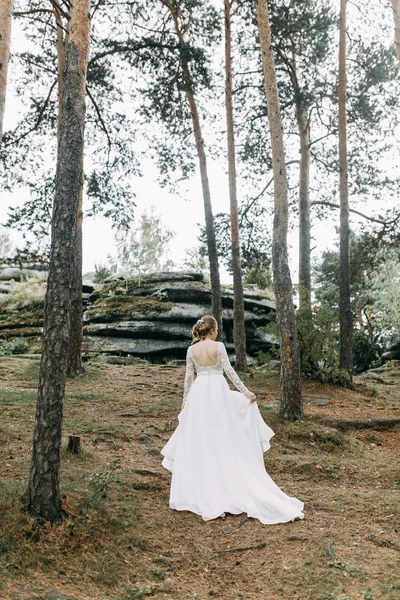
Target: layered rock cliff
x,y
151,320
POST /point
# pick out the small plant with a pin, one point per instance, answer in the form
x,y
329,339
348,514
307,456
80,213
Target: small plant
x,y
24,293
100,484
367,594
8,348
345,567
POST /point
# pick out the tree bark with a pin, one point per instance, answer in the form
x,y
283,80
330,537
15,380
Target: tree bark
x,y
6,10
43,494
304,212
60,45
396,15
345,314
209,218
239,331
75,366
291,400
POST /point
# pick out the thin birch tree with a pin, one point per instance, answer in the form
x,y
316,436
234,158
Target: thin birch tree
x,y
43,494
291,399
345,314
6,10
239,330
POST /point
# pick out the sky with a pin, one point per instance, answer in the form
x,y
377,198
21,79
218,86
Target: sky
x,y
181,212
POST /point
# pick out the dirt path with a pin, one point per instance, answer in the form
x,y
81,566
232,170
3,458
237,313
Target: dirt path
x,y
129,544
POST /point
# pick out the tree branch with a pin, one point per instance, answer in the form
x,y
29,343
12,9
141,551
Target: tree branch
x,y
357,212
254,200
38,120
25,13
101,120
58,8
133,48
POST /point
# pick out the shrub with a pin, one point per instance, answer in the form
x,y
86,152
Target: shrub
x,y
24,293
13,347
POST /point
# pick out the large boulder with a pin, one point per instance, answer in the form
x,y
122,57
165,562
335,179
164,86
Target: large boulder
x,y
392,353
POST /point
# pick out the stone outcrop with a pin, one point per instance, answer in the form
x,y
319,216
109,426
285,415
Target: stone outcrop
x,y
152,320
392,353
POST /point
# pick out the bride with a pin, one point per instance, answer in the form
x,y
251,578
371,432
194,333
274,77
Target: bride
x,y
216,453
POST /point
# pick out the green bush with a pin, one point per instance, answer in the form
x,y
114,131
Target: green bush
x,y
24,293
367,352
13,347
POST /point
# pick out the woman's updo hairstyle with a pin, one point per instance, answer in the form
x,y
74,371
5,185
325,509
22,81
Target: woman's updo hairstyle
x,y
203,327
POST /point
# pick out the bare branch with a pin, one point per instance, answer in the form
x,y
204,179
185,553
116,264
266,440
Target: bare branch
x,y
58,8
101,120
254,200
25,13
38,120
357,212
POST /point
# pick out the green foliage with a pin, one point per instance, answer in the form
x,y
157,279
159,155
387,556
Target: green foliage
x,y
102,272
319,343
255,239
367,352
375,294
384,285
259,276
196,259
343,566
144,248
24,293
8,348
99,487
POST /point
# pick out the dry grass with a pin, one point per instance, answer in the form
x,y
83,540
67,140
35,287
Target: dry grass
x,y
129,544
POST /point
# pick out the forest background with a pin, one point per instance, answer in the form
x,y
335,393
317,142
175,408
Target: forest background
x,y
180,202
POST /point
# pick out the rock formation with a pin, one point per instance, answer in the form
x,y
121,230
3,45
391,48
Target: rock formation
x,y
392,353
151,321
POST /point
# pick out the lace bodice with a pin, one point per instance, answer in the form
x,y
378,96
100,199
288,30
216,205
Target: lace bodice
x,y
222,365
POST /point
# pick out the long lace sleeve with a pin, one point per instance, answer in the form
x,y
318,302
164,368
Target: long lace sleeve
x,y
189,377
230,371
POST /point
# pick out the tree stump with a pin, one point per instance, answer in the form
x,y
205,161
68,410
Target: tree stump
x,y
74,444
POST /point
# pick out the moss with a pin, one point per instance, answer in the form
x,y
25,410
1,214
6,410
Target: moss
x,y
123,305
31,316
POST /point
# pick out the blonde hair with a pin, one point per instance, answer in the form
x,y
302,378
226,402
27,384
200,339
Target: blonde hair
x,y
203,327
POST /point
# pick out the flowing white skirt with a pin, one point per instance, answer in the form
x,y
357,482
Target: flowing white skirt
x,y
216,457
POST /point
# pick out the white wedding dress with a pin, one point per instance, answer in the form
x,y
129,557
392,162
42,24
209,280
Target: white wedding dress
x,y
216,453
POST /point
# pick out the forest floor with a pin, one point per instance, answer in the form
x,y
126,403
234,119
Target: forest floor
x,y
121,541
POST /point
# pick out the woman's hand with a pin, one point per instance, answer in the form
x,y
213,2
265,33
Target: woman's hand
x,y
252,397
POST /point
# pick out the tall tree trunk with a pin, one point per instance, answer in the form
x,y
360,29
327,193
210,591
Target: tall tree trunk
x,y
396,14
345,314
43,494
6,9
239,330
75,366
209,218
291,400
304,212
60,45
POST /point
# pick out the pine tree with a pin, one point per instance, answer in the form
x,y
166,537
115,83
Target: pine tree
x,y
239,331
291,400
6,9
184,55
43,494
345,314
